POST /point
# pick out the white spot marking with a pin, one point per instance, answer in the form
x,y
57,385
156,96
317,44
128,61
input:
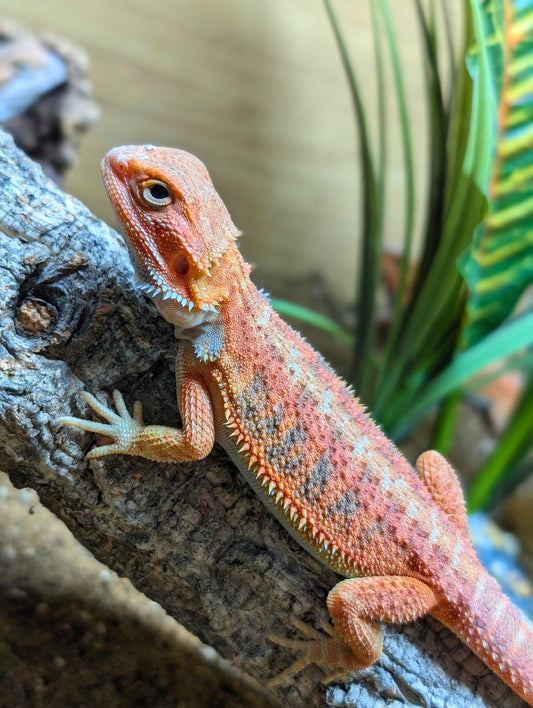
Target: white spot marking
x,y
361,445
295,370
412,511
264,317
480,588
386,483
519,638
434,533
325,404
456,555
496,613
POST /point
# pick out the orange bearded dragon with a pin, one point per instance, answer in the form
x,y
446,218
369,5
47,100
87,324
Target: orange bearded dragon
x,y
398,535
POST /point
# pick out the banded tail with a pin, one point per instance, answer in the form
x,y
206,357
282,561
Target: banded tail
x,y
499,633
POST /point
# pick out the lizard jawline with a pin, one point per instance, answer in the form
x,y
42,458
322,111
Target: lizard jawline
x,y
176,308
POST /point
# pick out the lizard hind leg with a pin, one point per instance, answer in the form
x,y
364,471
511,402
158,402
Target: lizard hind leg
x,y
355,641
443,485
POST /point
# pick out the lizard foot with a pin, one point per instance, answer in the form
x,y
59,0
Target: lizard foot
x,y
324,648
121,427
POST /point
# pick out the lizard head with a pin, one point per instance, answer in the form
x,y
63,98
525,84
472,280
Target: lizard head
x,y
177,228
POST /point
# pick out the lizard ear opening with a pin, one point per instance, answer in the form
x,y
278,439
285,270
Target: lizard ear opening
x,y
181,265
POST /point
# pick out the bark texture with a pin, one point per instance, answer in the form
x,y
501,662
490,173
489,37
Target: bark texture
x,y
193,537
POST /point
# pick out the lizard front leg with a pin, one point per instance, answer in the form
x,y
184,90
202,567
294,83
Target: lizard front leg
x,y
156,442
355,640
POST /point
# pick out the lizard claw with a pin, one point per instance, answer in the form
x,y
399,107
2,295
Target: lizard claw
x,y
319,648
120,427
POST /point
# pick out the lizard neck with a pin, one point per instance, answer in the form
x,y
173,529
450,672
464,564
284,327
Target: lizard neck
x,y
207,330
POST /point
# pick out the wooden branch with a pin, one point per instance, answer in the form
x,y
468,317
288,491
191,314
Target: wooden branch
x,y
193,537
45,96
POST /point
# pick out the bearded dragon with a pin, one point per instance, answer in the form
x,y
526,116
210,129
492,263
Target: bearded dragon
x,y
398,535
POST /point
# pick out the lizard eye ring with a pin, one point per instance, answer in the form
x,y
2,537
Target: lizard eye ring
x,y
155,194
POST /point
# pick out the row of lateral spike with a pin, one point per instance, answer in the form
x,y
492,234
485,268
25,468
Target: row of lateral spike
x,y
260,469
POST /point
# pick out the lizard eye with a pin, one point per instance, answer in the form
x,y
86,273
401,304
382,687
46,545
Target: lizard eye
x,y
155,194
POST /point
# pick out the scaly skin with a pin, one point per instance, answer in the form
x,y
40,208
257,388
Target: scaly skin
x,y
399,536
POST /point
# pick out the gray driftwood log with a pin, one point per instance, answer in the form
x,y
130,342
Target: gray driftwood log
x,y
193,537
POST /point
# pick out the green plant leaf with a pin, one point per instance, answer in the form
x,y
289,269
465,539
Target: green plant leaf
x,y
408,168
505,466
426,327
305,314
372,205
522,361
505,341
499,264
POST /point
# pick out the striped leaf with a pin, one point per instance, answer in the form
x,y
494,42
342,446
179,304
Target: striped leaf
x,y
499,264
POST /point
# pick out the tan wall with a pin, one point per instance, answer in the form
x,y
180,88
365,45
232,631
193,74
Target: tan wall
x,y
256,89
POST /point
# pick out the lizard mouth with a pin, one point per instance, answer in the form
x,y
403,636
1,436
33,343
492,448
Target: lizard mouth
x,y
164,293
177,308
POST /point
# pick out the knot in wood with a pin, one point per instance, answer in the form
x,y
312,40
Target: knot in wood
x,y
35,317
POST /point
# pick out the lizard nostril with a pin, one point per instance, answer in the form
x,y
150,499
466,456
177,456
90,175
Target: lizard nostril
x,y
118,162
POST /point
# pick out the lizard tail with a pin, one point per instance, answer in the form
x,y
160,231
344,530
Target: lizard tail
x,y
498,632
